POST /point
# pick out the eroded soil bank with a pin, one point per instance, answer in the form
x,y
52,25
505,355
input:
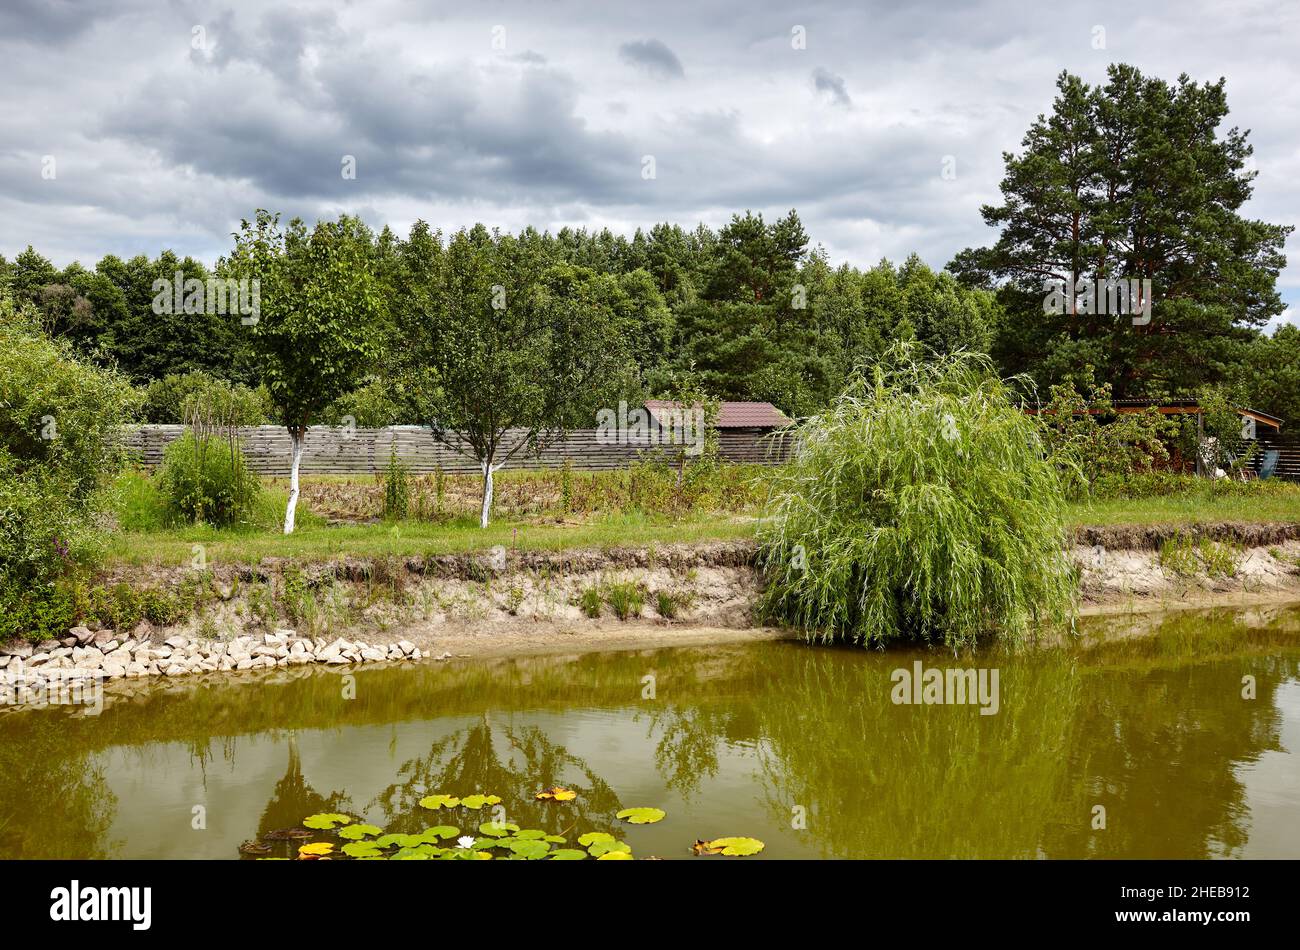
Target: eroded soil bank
x,y
504,602
507,602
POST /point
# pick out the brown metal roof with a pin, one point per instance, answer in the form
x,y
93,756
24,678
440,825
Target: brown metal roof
x,y
732,415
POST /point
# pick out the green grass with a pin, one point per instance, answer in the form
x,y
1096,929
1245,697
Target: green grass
x,y
1277,505
145,538
319,542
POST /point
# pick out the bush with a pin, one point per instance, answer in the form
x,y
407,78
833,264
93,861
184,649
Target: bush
x,y
59,416
397,487
59,444
205,479
1092,443
921,504
174,398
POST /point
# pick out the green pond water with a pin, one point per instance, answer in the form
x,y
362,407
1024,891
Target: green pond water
x,y
799,746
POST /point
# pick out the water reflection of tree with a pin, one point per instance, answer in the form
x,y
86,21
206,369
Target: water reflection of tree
x,y
293,799
686,752
883,780
500,760
1154,731
54,800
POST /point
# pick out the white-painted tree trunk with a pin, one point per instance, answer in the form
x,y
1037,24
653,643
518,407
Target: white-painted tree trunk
x,y
488,471
297,439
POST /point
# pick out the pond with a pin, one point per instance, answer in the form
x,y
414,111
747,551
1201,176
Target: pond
x,y
1178,743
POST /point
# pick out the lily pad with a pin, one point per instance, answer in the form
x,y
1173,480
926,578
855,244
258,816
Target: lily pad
x,y
591,837
401,841
316,849
357,832
642,816
567,854
439,801
361,849
325,821
557,794
615,856
439,833
601,848
531,834
532,850
478,801
732,847
497,829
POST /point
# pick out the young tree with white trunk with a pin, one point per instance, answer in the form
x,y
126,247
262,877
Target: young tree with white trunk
x,y
314,336
503,351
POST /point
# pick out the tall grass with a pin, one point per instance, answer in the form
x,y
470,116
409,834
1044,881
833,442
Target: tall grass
x,y
920,505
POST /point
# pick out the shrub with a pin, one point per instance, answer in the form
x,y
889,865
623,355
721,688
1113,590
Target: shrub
x,y
59,445
59,415
205,479
397,487
921,504
173,399
1093,444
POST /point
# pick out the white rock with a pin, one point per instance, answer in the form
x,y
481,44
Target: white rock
x,y
36,659
406,646
176,670
177,642
244,664
337,660
370,653
114,670
136,670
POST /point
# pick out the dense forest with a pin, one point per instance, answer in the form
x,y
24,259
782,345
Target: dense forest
x,y
1132,179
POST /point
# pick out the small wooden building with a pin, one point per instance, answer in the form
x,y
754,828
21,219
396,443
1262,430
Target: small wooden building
x,y
746,430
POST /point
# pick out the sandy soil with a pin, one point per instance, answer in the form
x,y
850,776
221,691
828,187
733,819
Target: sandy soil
x,y
508,603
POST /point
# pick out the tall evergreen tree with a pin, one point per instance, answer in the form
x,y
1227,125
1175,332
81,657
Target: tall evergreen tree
x,y
1130,180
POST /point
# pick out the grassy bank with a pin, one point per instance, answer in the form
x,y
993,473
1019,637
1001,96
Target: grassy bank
x,y
553,510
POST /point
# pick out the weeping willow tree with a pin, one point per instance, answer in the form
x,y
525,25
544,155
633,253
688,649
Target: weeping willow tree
x,y
922,505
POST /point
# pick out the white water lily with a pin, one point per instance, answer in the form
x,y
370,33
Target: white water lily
x,y
465,841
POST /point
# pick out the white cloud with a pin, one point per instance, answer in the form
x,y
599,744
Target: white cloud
x,y
160,145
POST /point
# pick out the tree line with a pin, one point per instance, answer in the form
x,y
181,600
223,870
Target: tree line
x,y
477,332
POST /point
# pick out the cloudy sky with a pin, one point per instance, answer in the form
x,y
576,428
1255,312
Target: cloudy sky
x,y
169,121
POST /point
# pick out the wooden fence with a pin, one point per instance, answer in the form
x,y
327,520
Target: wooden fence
x,y
1288,463
332,450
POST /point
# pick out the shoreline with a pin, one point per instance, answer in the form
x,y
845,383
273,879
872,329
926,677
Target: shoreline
x,y
352,612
